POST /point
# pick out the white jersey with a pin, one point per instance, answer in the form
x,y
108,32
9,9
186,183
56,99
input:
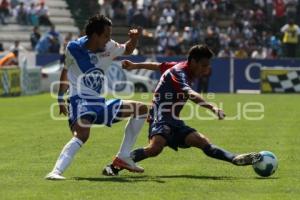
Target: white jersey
x,y
86,70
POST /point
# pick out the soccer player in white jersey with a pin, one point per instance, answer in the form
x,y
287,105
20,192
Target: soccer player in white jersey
x,y
86,62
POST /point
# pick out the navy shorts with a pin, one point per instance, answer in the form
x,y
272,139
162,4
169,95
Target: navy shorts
x,y
173,132
96,111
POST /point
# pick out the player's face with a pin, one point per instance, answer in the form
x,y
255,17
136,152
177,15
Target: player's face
x,y
104,37
201,67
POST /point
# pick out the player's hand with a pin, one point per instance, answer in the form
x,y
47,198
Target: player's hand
x,y
135,33
219,112
63,108
127,64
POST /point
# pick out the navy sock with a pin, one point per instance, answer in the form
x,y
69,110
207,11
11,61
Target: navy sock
x,y
218,153
138,155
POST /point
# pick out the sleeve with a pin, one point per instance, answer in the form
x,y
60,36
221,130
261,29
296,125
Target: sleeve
x,y
115,48
180,82
284,28
165,66
298,30
68,59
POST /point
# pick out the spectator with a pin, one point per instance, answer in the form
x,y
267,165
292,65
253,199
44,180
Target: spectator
x,y
269,9
210,8
4,11
290,39
43,46
17,46
298,13
259,53
233,30
131,11
212,40
197,14
259,3
34,37
173,41
225,53
150,14
184,17
187,38
14,3
279,8
119,9
196,33
32,15
275,46
43,15
291,9
21,13
241,52
54,45
139,19
169,13
161,36
11,59
53,32
106,9
1,47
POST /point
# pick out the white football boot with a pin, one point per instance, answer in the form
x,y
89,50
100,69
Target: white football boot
x,y
54,176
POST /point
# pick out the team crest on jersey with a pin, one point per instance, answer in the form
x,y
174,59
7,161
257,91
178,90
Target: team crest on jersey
x,y
94,59
94,79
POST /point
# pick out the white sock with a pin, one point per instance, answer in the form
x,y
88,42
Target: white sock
x,y
66,156
133,127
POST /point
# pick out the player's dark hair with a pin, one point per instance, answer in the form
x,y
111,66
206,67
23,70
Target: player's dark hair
x,y
199,52
96,24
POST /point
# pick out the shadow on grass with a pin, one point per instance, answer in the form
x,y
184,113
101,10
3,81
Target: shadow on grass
x,y
158,179
267,178
121,179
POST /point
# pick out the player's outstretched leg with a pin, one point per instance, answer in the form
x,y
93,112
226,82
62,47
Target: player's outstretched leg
x,y
137,113
81,131
200,141
155,147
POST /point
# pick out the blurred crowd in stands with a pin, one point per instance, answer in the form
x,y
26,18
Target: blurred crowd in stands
x,y
32,13
256,28
27,12
248,29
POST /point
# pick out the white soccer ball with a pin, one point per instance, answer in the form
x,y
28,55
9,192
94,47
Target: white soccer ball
x,y
267,165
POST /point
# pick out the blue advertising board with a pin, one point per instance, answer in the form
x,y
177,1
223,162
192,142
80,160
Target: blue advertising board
x,y
247,71
244,74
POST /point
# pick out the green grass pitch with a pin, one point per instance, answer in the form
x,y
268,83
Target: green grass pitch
x,y
30,142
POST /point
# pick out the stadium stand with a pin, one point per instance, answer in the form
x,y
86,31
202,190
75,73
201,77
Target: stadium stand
x,y
245,29
59,15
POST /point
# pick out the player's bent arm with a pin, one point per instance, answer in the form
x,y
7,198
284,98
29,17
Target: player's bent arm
x,y
130,45
63,87
198,99
155,66
63,84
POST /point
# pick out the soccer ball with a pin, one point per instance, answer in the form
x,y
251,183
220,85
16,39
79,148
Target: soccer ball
x,y
267,165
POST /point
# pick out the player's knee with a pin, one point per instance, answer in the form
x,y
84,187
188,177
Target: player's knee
x,y
83,137
142,109
205,141
197,140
